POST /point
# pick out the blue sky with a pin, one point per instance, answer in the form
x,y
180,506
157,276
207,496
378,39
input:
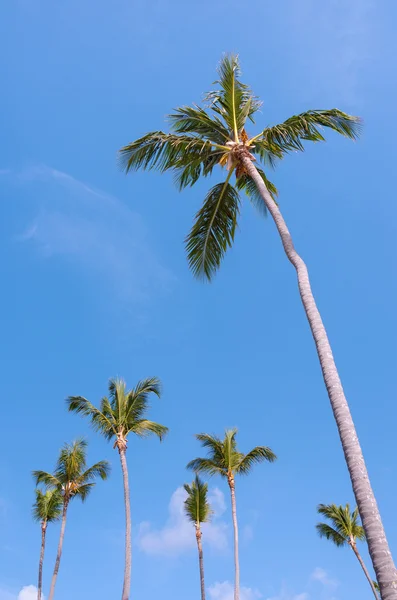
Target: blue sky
x,y
95,284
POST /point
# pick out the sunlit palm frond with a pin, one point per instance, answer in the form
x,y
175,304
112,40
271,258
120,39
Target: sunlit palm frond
x,y
196,505
213,231
47,506
161,151
247,184
145,428
290,135
345,522
100,420
325,530
100,469
255,456
206,465
188,169
71,461
194,119
47,479
83,491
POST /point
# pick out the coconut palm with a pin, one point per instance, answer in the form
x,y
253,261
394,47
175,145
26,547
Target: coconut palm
x,y
46,509
119,415
344,531
198,510
72,480
203,138
226,460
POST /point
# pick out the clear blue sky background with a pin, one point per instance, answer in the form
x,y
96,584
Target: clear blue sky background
x,y
95,284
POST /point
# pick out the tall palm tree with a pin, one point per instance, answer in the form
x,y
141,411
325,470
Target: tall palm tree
x,y
119,415
202,138
344,531
198,510
46,509
72,480
226,460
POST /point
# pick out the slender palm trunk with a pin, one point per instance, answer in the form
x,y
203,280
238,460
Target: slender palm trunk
x,y
42,549
201,561
382,560
235,528
364,568
59,551
127,567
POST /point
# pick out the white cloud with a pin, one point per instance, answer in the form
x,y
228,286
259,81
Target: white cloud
x,y
322,576
225,591
95,231
177,535
29,592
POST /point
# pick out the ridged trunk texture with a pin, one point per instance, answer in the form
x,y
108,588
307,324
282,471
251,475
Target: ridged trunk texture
x,y
59,551
235,528
382,560
42,550
127,566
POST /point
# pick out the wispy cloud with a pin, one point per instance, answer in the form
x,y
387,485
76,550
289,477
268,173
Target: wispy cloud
x,y
332,44
225,591
322,576
28,592
177,535
96,232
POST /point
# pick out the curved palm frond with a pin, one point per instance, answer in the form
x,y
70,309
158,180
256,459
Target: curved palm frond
x,y
137,400
255,456
100,469
246,183
206,465
213,231
196,505
101,420
290,135
344,522
162,151
325,530
47,479
144,428
47,506
194,119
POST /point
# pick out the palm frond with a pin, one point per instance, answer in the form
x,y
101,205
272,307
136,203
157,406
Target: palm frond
x,y
246,183
345,522
145,428
162,151
213,231
206,465
290,135
196,505
47,479
325,530
194,119
47,506
83,491
255,456
100,469
100,421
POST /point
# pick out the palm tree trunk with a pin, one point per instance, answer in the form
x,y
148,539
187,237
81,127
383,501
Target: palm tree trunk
x,y
235,527
59,551
201,561
364,568
386,572
40,579
127,566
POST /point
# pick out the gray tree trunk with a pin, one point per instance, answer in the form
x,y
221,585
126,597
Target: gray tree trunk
x,y
42,549
59,551
128,551
382,560
235,527
364,568
201,561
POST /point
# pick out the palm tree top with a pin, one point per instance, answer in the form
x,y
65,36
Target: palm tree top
x,y
123,412
48,506
201,138
225,459
71,477
345,529
196,505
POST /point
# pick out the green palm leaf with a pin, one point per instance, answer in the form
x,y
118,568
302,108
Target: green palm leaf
x,y
196,120
244,182
255,456
48,506
196,505
345,524
213,231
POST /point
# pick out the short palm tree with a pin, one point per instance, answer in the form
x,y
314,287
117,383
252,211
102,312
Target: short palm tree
x,y
203,138
119,415
198,510
344,531
226,460
46,509
72,480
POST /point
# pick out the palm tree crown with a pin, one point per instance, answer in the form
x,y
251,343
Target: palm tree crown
x,y
197,507
71,477
123,412
225,459
48,506
202,138
345,529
